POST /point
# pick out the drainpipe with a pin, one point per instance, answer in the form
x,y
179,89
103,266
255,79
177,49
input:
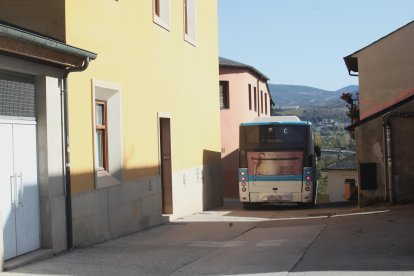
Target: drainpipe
x,y
66,151
384,142
388,156
388,159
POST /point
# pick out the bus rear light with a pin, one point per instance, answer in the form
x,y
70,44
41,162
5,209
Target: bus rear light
x,y
307,189
243,173
243,178
243,189
307,183
243,184
308,178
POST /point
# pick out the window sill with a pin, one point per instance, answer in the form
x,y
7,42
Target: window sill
x,y
105,179
158,20
190,40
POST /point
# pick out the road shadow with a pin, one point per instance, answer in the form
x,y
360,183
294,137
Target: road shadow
x,y
235,208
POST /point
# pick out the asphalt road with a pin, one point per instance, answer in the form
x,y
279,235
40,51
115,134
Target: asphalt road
x,y
327,240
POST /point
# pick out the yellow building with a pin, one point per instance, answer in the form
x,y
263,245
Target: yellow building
x,y
144,119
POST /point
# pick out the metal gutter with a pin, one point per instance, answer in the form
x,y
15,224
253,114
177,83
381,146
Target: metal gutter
x,y
45,42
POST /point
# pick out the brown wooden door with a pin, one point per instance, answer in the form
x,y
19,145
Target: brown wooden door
x,y
166,172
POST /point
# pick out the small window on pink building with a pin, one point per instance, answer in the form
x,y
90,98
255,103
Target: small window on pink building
x,y
255,100
250,96
224,95
261,101
266,103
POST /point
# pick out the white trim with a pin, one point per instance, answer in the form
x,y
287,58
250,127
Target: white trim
x,y
164,20
17,121
164,115
191,37
106,84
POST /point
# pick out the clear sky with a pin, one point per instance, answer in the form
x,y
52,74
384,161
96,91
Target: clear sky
x,y
303,42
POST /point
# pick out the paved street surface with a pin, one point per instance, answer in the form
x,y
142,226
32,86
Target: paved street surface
x,y
326,240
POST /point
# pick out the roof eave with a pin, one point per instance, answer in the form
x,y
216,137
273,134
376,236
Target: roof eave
x,y
380,113
351,63
44,42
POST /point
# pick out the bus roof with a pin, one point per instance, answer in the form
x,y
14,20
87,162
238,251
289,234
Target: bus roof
x,y
290,120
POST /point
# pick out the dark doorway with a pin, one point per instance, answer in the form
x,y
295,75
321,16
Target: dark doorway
x,y
166,171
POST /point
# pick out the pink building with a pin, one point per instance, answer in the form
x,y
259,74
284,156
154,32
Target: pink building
x,y
244,95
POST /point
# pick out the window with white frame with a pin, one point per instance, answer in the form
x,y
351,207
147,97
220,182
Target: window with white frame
x,y
107,133
190,21
161,13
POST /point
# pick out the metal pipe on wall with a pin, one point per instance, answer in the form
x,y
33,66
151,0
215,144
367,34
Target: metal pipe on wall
x,y
65,133
388,156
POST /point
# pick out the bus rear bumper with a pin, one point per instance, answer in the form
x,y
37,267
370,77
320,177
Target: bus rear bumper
x,y
280,197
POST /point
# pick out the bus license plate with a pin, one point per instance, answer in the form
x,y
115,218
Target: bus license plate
x,y
275,197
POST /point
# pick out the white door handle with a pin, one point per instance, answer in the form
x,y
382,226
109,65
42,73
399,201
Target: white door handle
x,y
12,190
21,190
16,191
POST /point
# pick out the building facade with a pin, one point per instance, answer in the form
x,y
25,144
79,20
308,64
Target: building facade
x,y
33,77
143,120
386,126
244,95
342,179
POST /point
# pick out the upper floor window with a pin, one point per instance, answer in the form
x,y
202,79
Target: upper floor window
x,y
224,95
261,101
255,100
250,96
190,21
266,103
162,14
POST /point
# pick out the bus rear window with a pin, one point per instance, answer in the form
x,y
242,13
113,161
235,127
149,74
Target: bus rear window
x,y
274,163
276,135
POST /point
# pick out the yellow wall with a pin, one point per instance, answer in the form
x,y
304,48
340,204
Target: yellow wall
x,y
43,16
158,72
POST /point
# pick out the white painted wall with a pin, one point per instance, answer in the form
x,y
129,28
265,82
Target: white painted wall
x,y
336,183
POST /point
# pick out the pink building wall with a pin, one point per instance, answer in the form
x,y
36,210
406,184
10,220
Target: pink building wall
x,y
238,112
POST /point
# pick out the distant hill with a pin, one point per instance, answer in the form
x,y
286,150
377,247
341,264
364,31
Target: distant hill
x,y
297,95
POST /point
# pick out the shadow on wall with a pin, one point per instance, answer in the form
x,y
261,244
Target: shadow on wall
x,y
212,180
230,175
117,209
20,221
113,210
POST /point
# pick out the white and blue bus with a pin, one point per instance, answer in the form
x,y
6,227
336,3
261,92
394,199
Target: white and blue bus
x,y
277,162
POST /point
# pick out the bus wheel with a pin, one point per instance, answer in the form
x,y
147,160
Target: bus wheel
x,y
251,205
